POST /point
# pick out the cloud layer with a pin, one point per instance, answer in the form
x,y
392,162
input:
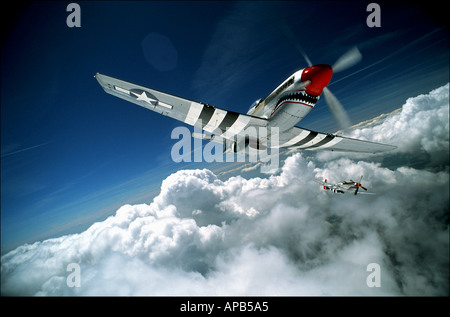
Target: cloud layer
x,y
277,235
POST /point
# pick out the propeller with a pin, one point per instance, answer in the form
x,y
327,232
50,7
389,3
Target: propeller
x,y
337,109
347,60
293,39
358,186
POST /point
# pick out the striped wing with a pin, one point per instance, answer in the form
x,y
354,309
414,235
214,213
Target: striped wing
x,y
226,124
298,138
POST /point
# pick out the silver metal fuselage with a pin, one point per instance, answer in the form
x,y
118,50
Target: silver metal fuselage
x,y
287,105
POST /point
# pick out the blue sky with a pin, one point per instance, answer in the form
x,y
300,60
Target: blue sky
x,y
71,154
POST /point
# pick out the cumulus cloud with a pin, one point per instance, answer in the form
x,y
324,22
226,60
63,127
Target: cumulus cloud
x,y
420,127
273,235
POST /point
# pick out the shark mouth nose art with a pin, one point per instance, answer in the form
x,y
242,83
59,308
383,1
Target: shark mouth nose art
x,y
298,97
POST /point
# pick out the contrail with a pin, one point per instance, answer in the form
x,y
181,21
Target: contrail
x,y
25,149
389,56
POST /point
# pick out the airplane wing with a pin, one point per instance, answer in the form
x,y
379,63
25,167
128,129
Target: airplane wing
x,y
226,124
318,181
223,123
298,138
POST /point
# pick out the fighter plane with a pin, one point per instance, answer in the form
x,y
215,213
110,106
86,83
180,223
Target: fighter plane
x,y
278,113
342,187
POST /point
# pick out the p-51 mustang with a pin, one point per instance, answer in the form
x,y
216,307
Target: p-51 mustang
x,y
282,109
346,186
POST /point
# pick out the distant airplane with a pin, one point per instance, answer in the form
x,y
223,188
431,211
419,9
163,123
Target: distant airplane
x,y
342,187
279,113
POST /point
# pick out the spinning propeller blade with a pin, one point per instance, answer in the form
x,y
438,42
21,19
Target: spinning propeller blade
x,y
358,185
337,109
347,60
293,39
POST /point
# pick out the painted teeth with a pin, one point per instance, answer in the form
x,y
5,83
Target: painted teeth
x,y
300,97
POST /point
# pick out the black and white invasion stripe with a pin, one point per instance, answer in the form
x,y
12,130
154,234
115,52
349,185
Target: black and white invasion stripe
x,y
216,121
310,140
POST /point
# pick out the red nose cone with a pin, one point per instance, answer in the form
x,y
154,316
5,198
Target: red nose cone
x,y
319,75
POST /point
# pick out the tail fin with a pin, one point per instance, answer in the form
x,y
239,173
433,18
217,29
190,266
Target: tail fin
x,y
325,187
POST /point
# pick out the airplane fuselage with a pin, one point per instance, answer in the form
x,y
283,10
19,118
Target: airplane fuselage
x,y
291,101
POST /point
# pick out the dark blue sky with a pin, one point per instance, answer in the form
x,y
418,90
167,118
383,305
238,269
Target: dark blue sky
x,y
71,154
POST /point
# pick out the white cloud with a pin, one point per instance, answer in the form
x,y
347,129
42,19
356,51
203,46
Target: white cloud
x,y
277,235
420,128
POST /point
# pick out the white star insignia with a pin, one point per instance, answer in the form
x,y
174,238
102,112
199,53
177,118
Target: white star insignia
x,y
145,98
